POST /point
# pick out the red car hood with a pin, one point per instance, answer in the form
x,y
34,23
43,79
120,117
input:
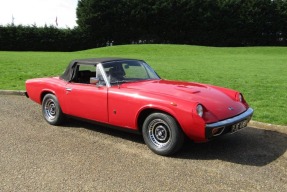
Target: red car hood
x,y
217,102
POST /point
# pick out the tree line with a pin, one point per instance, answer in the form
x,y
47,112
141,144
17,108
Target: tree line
x,y
196,22
47,38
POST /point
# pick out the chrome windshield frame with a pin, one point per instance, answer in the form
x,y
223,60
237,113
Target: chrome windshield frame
x,y
103,73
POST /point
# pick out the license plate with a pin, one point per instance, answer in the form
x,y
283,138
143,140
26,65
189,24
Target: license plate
x,y
238,126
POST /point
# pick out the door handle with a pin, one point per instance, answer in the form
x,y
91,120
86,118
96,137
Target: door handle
x,y
69,89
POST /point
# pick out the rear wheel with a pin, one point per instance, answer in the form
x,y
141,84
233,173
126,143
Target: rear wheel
x,y
51,110
162,134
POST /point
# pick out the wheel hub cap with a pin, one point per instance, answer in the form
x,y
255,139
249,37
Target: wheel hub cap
x,y
159,132
50,109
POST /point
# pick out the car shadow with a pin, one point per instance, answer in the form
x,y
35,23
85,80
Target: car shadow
x,y
115,132
251,146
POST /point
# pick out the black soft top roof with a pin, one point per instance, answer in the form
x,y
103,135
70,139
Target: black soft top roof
x,y
68,74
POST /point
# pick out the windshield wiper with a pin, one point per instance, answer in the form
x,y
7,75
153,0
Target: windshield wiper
x,y
120,81
129,81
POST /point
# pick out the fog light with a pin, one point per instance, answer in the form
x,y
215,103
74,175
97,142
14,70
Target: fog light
x,y
217,131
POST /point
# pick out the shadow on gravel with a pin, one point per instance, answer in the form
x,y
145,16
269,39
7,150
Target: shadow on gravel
x,y
251,146
116,132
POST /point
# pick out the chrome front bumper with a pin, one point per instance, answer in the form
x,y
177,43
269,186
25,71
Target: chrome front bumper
x,y
228,125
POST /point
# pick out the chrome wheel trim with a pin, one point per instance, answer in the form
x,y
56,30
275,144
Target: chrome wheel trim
x,y
50,109
159,133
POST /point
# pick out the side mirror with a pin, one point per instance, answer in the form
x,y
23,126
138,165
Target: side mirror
x,y
94,80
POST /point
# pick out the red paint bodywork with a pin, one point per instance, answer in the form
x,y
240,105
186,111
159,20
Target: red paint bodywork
x,y
123,105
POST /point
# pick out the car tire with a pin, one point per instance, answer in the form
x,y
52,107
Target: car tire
x,y
162,134
51,110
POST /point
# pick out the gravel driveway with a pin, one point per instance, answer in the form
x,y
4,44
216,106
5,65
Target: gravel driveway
x,y
79,156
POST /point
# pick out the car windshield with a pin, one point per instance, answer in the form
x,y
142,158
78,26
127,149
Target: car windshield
x,y
128,71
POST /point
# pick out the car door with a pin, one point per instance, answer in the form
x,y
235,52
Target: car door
x,y
86,100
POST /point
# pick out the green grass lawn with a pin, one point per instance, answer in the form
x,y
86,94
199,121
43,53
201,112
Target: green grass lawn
x,y
260,73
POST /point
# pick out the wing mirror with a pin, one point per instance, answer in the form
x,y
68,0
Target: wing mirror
x,y
94,80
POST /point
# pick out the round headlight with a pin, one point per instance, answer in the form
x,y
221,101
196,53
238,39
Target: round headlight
x,y
199,110
240,97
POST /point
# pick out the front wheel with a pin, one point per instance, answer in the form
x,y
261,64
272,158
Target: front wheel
x,y
51,110
162,134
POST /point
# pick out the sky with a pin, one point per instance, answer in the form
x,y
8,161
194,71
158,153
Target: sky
x,y
39,12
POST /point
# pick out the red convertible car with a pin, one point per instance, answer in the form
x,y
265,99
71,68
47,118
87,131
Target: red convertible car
x,y
129,94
